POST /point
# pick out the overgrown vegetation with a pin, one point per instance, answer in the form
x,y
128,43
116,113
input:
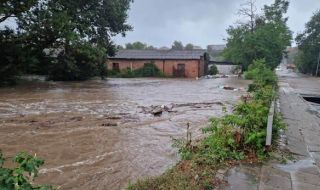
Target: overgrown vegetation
x,y
309,46
22,175
235,137
67,40
148,70
213,70
263,36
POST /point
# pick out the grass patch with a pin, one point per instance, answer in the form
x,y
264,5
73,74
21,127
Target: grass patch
x,y
186,175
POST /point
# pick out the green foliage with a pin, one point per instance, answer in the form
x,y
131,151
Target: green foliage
x,y
189,47
266,40
213,70
9,57
242,133
81,62
184,150
21,176
236,136
81,30
220,145
309,46
261,75
177,45
14,8
136,45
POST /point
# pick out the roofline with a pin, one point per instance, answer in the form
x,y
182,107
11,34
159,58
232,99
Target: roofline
x,y
112,58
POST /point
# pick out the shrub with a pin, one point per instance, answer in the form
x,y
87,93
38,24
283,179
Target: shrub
x,y
80,62
21,177
260,74
10,57
244,131
213,70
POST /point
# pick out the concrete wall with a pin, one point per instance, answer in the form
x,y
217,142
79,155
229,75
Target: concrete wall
x,y
193,68
226,69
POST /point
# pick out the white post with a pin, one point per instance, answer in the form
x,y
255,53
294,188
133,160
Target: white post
x,y
269,125
318,64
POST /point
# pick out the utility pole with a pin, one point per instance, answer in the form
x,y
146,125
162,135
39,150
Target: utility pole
x,y
318,64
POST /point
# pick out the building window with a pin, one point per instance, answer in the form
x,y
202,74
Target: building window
x,y
115,67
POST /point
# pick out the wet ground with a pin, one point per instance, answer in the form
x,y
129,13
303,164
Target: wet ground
x,y
301,141
95,134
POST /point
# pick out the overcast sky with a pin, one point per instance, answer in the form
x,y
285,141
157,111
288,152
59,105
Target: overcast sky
x,y
201,22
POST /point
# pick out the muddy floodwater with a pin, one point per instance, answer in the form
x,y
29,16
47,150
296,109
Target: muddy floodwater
x,y
97,134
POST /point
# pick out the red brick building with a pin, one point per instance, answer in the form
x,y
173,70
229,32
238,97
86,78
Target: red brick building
x,y
176,63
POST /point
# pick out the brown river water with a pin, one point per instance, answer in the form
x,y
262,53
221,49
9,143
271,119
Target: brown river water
x,y
95,135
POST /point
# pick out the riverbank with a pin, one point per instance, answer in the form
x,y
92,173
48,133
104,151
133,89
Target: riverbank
x,y
235,138
96,134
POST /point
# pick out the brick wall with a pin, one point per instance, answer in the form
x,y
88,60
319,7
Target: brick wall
x,y
192,67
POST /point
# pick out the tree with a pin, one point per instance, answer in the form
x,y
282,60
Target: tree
x,y
13,8
189,47
213,70
249,9
13,52
177,45
136,46
151,48
120,47
309,46
65,25
266,38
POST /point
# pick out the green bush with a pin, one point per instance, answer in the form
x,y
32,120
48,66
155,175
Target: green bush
x,y
260,74
244,131
10,58
21,177
213,70
236,136
80,62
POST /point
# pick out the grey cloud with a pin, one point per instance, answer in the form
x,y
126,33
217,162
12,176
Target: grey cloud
x,y
201,22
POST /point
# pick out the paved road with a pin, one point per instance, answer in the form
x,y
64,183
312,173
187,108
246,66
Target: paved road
x,y
303,141
303,131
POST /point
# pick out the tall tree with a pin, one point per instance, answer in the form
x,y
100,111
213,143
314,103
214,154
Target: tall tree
x,y
13,52
189,47
249,9
75,24
136,46
13,8
309,46
177,45
266,38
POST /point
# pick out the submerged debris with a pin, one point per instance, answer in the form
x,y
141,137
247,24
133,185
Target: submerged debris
x,y
110,124
157,110
160,109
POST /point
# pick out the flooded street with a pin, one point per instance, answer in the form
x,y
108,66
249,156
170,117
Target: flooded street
x,y
95,134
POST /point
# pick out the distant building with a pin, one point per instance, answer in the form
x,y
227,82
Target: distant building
x,y
197,47
164,48
215,52
176,63
225,67
219,47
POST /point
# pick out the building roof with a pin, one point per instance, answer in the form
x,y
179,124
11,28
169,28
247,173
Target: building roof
x,y
159,54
